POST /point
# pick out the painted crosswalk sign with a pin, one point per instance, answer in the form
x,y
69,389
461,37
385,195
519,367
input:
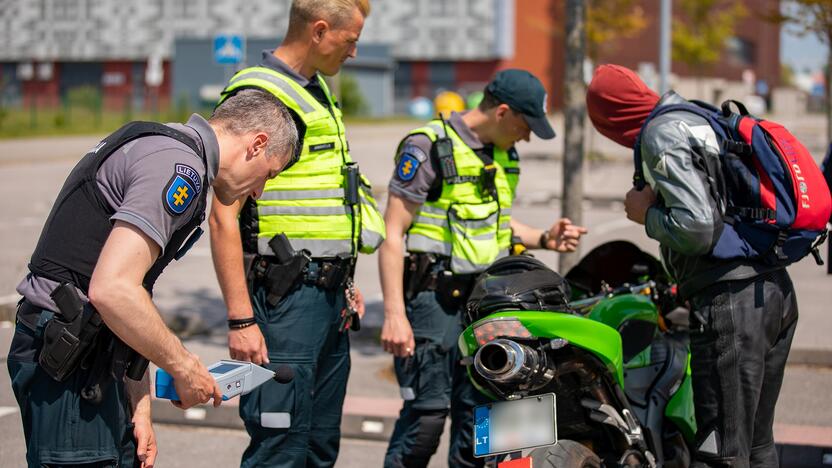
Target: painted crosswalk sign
x,y
229,49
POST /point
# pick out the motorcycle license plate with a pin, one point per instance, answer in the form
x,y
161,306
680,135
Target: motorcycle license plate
x,y
509,426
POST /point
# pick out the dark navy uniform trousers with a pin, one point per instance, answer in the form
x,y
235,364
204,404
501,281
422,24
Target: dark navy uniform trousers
x,y
299,424
433,385
60,427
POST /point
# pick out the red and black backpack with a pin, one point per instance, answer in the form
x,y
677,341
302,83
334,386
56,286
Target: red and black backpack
x,y
773,196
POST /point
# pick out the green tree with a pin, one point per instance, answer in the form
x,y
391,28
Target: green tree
x,y
812,17
352,100
786,75
610,20
3,111
700,33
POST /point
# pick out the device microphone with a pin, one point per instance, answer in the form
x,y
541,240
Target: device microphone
x,y
284,374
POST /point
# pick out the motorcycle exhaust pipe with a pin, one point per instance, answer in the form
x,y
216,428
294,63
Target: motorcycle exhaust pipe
x,y
507,361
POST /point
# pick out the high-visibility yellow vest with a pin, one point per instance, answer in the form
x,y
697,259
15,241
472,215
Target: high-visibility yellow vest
x,y
466,223
308,202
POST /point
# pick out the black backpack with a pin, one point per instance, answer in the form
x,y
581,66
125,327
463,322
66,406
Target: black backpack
x,y
518,282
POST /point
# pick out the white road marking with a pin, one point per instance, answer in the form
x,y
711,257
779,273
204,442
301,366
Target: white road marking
x,y
18,223
9,299
614,225
7,410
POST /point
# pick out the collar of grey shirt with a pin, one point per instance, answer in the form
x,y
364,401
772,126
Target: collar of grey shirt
x,y
270,61
209,143
465,133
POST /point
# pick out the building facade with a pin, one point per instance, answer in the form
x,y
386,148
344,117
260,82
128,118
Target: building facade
x,y
127,47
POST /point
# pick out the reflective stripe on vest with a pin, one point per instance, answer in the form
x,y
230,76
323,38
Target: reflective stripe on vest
x,y
325,247
464,224
307,202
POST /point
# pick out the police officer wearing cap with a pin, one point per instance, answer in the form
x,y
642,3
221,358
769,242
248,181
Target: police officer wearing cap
x,y
286,263
451,196
86,325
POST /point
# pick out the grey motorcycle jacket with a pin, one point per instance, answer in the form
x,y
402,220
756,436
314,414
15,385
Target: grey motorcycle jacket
x,y
686,219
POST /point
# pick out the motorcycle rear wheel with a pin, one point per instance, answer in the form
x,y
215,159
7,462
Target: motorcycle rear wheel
x,y
565,454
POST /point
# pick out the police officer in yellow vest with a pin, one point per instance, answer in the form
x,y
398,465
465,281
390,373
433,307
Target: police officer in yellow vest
x,y
292,278
451,197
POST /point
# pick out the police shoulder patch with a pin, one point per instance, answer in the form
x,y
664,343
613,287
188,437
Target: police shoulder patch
x,y
184,186
406,170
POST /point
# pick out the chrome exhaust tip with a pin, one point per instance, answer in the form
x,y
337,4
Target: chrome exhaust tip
x,y
504,360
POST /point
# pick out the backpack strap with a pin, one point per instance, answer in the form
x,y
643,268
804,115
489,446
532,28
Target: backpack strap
x,y
702,109
727,112
712,169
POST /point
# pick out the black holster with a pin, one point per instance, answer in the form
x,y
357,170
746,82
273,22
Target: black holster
x,y
452,290
428,272
418,274
279,276
70,335
110,361
76,338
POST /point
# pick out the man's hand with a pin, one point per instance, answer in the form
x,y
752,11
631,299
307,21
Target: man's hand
x,y
195,385
397,335
248,344
636,203
564,236
146,449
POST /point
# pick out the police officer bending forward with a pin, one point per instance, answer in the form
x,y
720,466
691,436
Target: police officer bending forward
x,y
87,323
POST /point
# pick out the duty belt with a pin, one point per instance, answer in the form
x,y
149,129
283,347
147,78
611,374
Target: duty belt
x,y
325,273
29,315
329,274
431,272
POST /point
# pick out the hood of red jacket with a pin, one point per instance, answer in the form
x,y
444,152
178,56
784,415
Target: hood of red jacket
x,y
618,102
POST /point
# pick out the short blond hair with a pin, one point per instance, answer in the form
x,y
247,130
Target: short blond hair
x,y
335,12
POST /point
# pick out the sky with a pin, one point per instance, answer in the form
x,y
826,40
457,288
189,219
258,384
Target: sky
x,y
802,52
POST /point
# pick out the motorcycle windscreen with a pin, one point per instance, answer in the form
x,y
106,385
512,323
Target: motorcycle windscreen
x,y
613,263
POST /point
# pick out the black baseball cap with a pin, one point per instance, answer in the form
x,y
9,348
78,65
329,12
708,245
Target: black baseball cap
x,y
525,94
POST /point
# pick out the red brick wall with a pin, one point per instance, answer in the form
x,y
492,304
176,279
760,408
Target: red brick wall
x,y
764,35
540,48
117,96
419,74
538,45
42,93
473,72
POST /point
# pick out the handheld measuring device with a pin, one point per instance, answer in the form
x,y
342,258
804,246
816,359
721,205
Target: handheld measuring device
x,y
233,377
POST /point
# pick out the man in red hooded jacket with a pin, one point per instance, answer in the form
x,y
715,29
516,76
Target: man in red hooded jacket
x,y
743,313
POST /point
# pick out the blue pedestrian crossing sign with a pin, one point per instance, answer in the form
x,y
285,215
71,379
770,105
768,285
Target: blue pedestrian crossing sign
x,y
229,49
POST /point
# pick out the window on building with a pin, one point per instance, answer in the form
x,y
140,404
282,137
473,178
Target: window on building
x,y
185,8
442,8
66,10
741,52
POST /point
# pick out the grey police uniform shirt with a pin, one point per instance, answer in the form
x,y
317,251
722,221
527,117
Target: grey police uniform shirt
x,y
134,181
686,220
416,188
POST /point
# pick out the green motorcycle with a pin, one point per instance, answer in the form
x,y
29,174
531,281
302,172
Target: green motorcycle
x,y
587,378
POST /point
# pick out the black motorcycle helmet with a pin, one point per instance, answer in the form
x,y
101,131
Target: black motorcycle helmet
x,y
518,282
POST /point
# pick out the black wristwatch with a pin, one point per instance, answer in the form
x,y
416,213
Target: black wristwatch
x,y
544,238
